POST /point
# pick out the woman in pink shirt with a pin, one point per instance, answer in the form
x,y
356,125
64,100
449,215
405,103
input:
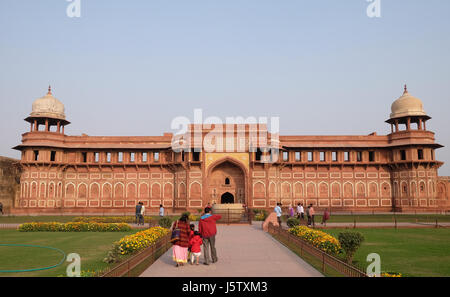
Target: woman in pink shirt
x,y
312,213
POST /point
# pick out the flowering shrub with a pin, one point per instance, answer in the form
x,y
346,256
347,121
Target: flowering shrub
x,y
260,214
390,274
123,219
193,218
140,240
319,239
74,227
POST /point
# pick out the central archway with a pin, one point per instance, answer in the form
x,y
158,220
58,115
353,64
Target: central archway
x,y
227,182
227,198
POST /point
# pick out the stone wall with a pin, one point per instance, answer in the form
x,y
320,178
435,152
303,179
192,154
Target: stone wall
x,y
9,182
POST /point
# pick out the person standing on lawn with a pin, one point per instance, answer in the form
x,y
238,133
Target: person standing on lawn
x,y
141,217
308,215
161,210
138,213
208,230
300,211
311,214
325,217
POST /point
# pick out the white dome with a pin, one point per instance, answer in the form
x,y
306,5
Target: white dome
x,y
407,105
48,106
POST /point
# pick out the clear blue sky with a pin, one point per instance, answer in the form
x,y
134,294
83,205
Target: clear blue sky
x,y
130,67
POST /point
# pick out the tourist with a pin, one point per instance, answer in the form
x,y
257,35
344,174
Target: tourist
x,y
141,217
138,213
207,206
196,250
279,212
311,214
308,215
208,230
300,211
161,210
325,217
291,211
180,247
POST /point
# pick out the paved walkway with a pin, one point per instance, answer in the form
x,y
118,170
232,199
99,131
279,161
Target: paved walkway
x,y
243,251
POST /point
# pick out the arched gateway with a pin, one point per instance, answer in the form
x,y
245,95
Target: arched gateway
x,y
227,182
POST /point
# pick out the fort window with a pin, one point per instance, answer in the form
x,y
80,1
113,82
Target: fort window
x,y
322,156
108,157
359,156
310,156
96,157
298,156
156,156
35,155
285,156
347,156
182,156
120,157
52,156
195,156
258,154
403,155
334,156
432,154
144,157
227,181
420,154
84,157
132,157
371,156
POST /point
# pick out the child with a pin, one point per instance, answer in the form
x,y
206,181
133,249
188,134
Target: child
x,y
191,234
196,242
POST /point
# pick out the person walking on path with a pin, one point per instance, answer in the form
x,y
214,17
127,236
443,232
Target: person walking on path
x,y
180,247
300,211
279,212
196,251
161,210
141,217
325,217
138,213
208,230
311,214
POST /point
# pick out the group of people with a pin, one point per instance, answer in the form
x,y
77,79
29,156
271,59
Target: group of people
x,y
140,211
189,247
310,213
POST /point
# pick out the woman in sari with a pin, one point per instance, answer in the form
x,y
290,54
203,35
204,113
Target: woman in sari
x,y
180,247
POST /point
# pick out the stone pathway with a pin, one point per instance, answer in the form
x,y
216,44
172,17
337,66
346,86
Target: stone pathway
x,y
243,251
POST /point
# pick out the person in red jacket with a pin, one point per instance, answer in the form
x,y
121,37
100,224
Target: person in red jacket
x,y
208,230
196,250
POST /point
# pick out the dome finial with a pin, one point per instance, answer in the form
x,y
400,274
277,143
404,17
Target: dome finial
x,y
406,89
49,90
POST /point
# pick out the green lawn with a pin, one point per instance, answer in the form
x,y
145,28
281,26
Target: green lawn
x,y
91,246
412,252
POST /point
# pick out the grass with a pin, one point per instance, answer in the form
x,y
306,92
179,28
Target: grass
x,y
412,252
91,246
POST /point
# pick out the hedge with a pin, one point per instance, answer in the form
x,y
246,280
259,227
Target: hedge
x,y
123,219
74,227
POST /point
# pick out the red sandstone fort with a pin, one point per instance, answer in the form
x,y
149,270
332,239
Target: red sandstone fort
x,y
96,174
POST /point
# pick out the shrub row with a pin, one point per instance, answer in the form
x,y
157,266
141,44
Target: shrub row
x,y
74,227
122,219
319,239
140,240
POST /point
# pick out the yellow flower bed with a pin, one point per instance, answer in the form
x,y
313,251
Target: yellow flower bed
x,y
319,239
140,240
73,227
390,274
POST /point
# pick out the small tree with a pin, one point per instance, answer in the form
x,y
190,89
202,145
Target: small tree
x,y
292,222
165,222
350,242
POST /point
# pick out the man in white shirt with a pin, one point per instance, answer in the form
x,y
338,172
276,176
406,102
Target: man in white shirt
x,y
300,211
141,218
278,211
161,210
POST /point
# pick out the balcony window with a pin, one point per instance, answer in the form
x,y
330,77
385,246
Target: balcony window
x,y
298,156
